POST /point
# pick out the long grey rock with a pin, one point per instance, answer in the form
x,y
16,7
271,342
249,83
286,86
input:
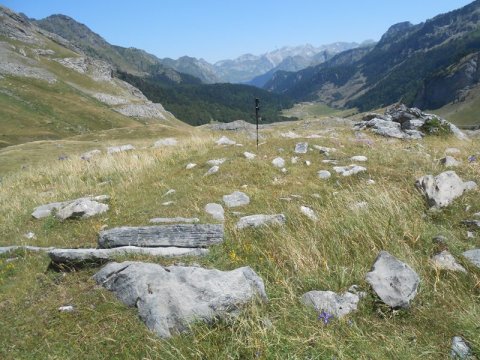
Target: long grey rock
x,y
174,220
260,220
473,256
170,298
180,235
98,256
393,281
442,189
338,305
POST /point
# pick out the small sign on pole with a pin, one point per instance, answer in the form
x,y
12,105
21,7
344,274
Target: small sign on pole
x,y
257,110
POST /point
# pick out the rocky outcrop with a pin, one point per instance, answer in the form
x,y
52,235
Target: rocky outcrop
x,y
402,122
168,299
442,189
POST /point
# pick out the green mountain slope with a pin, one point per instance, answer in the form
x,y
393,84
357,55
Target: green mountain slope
x,y
409,64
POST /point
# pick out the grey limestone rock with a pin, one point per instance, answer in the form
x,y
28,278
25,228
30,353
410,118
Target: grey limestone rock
x,y
338,305
460,348
180,235
216,161
46,210
165,142
278,162
260,220
301,148
225,141
90,154
446,261
81,209
121,148
450,161
82,257
394,282
473,256
308,212
168,299
216,211
249,155
237,198
349,170
359,158
442,189
212,170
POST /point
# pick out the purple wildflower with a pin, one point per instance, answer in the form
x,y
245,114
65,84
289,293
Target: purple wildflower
x,y
325,317
472,158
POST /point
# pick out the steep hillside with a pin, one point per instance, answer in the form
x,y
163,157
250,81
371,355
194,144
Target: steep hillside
x,y
411,63
198,68
51,90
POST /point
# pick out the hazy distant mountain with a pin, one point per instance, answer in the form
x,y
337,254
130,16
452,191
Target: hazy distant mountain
x,y
195,67
427,65
291,58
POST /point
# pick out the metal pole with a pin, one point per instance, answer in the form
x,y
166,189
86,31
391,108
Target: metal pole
x,y
257,109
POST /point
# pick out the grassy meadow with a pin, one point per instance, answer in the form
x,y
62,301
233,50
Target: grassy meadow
x,y
330,254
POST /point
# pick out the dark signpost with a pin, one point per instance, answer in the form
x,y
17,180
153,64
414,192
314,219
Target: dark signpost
x,y
257,110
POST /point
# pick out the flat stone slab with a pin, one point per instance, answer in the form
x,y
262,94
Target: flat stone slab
x,y
393,281
442,189
473,256
170,298
235,199
99,256
335,304
260,220
174,220
180,235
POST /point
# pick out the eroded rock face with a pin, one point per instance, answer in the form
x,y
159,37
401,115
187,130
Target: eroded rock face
x,y
170,298
338,305
442,189
394,282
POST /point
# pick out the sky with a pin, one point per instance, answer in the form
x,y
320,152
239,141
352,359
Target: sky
x,y
217,30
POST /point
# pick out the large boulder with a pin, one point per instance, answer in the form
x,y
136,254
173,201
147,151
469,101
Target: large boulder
x,y
393,281
338,305
442,189
180,235
170,298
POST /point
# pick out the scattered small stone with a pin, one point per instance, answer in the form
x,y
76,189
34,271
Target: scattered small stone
x,y
324,150
446,261
212,170
316,196
216,162
165,142
260,220
349,170
294,160
301,148
190,166
87,156
121,148
170,192
359,158
334,162
440,240
168,203
308,212
225,141
66,308
361,205
393,281
278,162
235,199
308,162
470,235
249,155
339,305
284,170
370,182
216,211
290,135
30,235
452,151
460,348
